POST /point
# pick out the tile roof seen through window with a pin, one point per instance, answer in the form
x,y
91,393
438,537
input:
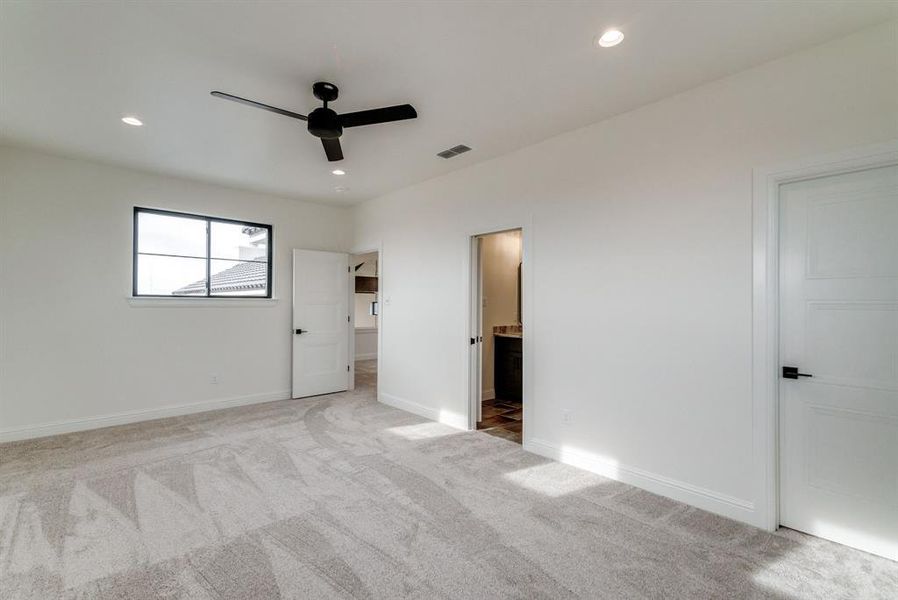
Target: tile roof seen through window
x,y
242,278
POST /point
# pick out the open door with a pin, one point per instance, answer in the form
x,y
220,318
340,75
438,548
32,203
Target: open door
x,y
476,337
320,322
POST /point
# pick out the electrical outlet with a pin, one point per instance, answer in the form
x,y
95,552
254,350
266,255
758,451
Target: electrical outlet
x,y
213,380
566,417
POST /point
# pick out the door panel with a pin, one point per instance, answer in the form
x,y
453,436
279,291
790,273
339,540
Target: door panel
x,y
321,311
475,357
851,453
846,342
839,322
853,235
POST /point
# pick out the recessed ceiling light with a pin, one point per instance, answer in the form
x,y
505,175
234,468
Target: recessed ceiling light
x,y
132,121
612,37
338,172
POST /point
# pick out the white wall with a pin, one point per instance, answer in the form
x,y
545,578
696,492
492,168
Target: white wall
x,y
500,255
362,307
638,251
365,343
72,348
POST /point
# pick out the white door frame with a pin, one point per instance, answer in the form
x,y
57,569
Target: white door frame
x,y
474,395
765,306
380,317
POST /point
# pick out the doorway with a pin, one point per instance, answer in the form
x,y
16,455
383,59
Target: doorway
x,y
320,323
497,336
365,288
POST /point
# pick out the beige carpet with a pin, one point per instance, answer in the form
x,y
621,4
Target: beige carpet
x,y
342,497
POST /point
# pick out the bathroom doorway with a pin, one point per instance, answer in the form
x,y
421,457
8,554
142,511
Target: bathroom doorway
x,y
497,334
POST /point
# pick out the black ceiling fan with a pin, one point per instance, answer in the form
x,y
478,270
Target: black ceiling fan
x,y
327,124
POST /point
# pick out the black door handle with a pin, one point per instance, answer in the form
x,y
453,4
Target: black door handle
x,y
792,373
300,331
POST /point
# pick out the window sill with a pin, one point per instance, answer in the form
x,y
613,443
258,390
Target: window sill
x,y
148,302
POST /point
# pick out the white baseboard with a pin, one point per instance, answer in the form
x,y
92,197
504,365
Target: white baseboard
x,y
457,421
134,416
715,502
366,356
488,395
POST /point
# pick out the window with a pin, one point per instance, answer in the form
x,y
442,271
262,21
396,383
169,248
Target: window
x,y
183,255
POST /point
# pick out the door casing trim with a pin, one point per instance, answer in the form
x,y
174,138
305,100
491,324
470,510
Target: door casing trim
x,y
765,305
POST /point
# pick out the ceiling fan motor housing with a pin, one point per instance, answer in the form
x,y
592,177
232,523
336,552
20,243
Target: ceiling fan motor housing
x,y
324,123
324,91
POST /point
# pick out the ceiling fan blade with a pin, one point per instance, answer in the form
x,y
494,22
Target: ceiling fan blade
x,y
273,109
332,148
378,115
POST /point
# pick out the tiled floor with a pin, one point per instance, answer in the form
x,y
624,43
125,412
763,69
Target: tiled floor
x,y
502,418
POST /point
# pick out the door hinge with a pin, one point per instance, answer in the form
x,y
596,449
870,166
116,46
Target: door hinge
x,y
347,367
347,318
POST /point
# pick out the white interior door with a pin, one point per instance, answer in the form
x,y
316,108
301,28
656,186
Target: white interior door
x,y
839,323
320,322
476,334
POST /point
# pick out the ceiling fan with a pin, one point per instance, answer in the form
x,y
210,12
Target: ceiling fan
x,y
326,124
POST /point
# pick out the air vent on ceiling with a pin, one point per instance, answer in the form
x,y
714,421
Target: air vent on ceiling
x,y
454,151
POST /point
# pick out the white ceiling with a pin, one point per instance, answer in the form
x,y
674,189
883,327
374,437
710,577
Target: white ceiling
x,y
493,75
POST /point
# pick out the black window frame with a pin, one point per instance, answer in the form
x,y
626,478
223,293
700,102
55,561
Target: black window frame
x,y
208,258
